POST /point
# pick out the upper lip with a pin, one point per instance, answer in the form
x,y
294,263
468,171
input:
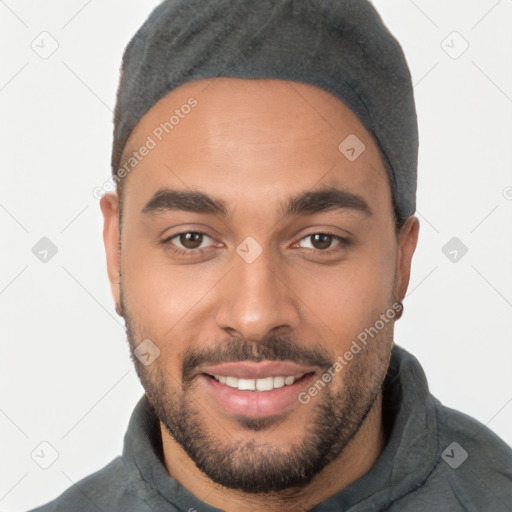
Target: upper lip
x,y
254,370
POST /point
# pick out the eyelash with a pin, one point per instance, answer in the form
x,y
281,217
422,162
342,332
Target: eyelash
x,y
194,252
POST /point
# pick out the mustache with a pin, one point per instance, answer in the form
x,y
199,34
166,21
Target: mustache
x,y
239,349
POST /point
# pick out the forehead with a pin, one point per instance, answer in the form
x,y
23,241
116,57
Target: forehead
x,y
253,140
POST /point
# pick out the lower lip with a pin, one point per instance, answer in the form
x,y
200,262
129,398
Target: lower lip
x,y
256,404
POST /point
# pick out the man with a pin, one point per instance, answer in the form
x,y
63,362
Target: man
x,y
259,247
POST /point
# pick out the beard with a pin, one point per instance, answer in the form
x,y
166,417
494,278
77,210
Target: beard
x,y
254,466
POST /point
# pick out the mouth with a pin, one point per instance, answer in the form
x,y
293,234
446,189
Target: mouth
x,y
255,389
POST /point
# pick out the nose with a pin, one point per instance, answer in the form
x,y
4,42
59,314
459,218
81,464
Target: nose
x,y
257,298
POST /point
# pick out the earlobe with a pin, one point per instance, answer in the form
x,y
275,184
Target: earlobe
x,y
408,239
109,207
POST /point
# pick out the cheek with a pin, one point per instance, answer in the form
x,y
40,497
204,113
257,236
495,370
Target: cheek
x,y
351,296
160,295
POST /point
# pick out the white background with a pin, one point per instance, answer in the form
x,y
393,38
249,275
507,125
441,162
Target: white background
x,y
65,373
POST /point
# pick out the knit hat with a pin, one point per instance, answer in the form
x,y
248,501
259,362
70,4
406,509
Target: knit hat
x,y
341,46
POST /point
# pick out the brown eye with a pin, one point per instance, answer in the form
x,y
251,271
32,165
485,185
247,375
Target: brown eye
x,y
191,240
321,240
189,243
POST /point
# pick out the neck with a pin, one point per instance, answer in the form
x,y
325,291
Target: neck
x,y
356,460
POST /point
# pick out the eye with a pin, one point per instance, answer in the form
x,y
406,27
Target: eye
x,y
187,241
323,242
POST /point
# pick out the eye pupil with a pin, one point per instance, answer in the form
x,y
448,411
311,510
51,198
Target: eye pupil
x,y
191,240
321,240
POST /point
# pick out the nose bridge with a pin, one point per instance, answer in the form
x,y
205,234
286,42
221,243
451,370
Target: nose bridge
x,y
254,300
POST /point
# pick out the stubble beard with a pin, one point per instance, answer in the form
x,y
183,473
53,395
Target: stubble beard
x,y
255,466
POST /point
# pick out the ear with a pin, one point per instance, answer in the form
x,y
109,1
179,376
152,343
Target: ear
x,y
408,238
109,207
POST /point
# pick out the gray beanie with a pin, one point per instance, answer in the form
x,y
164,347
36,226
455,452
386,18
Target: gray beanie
x,y
341,46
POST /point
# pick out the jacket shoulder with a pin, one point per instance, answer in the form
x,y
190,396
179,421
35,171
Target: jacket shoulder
x,y
480,442
474,462
106,489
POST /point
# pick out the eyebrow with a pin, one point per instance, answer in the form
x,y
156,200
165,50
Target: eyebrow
x,y
307,203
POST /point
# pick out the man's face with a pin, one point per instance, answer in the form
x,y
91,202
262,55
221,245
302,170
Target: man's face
x,y
245,288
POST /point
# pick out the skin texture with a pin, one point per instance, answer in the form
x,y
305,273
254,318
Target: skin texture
x,y
254,144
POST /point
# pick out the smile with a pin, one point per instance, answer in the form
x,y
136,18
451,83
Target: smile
x,y
255,389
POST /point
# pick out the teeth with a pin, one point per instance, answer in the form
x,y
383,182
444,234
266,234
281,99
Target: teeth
x,y
279,382
232,382
264,384
246,384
